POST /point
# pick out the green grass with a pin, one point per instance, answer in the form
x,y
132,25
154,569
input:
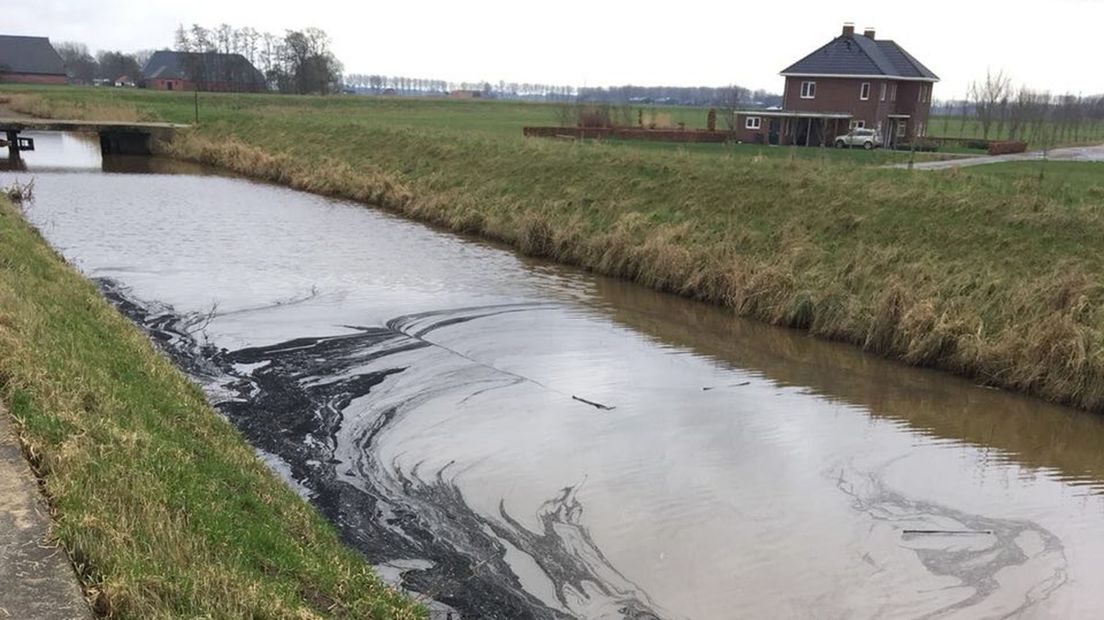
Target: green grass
x,y
483,118
164,508
991,275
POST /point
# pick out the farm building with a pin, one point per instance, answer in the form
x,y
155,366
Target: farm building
x,y
167,70
30,60
853,81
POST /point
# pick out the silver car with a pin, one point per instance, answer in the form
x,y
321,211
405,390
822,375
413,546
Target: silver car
x,y
866,138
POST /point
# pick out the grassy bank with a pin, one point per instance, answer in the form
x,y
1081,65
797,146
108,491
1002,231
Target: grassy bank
x,y
164,509
992,276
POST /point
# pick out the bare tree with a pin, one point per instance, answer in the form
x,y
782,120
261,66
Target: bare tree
x,y
733,98
987,96
80,66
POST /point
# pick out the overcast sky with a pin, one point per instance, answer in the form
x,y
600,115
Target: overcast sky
x,y
1052,44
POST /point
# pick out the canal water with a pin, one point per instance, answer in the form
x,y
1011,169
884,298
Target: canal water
x,y
515,439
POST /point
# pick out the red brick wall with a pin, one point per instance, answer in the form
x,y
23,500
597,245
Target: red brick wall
x,y
163,84
32,78
188,85
842,95
761,135
914,99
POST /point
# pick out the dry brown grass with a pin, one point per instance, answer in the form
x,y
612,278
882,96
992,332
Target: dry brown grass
x,y
1048,344
39,107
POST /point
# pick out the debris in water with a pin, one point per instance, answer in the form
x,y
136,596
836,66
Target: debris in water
x,y
19,192
742,384
950,532
593,404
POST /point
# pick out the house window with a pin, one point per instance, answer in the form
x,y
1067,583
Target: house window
x,y
864,91
858,124
753,122
901,129
883,91
808,90
893,92
920,130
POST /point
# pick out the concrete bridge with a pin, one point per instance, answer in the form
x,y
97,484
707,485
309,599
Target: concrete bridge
x,y
116,137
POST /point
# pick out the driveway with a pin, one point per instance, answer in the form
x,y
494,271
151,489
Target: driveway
x,y
1073,153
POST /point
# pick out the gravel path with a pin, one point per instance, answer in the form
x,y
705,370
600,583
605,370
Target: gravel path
x,y
1075,153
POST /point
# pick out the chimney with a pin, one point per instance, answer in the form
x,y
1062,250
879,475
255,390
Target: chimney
x,y
848,29
869,32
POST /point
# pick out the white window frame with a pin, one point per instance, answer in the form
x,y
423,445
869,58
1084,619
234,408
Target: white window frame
x,y
864,91
753,122
857,125
883,91
901,129
893,92
808,90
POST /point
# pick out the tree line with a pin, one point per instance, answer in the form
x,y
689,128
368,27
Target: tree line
x,y
82,67
399,85
673,95
1002,110
724,96
300,61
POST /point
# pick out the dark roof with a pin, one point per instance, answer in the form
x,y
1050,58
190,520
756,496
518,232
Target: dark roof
x,y
29,55
859,55
201,66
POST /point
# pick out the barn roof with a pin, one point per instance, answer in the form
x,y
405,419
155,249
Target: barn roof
x,y
860,56
206,66
29,55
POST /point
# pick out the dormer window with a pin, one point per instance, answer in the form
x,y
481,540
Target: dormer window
x,y
864,91
808,90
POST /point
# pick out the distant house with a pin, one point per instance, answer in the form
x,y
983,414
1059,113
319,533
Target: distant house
x,y
124,81
30,60
167,70
854,81
466,94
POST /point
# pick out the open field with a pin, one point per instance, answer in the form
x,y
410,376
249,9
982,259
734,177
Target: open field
x,y
486,118
993,275
164,509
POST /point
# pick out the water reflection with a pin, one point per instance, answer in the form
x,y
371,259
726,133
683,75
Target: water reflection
x,y
1053,440
57,151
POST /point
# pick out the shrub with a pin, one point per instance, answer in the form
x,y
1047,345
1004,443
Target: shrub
x,y
1004,147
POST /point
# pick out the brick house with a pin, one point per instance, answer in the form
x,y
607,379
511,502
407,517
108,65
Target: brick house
x,y
210,71
852,81
30,60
